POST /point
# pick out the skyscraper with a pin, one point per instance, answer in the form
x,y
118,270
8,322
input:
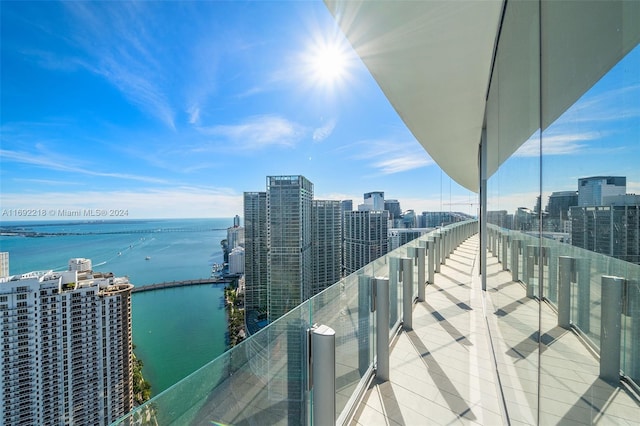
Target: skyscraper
x,y
560,202
66,347
373,201
592,190
393,206
365,238
289,259
327,244
235,237
255,270
4,263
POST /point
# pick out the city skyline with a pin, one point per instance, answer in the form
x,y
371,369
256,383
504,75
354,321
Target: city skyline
x,y
104,109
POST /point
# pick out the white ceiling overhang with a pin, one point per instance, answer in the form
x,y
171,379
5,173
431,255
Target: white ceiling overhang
x,y
433,61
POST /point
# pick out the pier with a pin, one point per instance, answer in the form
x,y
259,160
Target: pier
x,y
184,283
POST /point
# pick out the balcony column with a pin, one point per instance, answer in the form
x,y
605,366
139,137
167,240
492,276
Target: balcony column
x,y
567,265
515,259
505,243
382,329
407,293
584,294
323,355
610,328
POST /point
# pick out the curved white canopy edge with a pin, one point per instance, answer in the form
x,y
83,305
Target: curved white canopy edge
x,y
433,60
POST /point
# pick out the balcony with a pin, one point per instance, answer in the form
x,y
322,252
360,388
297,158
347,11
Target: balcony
x,y
456,353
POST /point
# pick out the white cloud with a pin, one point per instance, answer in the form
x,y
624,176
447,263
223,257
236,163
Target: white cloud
x,y
259,132
194,115
51,161
119,46
402,163
557,144
321,133
391,156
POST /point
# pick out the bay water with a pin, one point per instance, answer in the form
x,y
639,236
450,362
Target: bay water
x,y
176,330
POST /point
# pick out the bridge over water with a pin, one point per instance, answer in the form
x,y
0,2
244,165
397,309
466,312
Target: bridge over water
x,y
184,283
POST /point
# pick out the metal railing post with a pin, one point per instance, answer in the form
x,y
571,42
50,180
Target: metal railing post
x,y
584,294
505,244
610,328
633,311
552,268
407,293
567,265
515,259
529,257
364,312
445,246
421,279
323,356
431,258
394,280
494,242
438,258
382,329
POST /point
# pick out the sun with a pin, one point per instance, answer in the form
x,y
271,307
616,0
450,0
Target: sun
x,y
327,62
330,63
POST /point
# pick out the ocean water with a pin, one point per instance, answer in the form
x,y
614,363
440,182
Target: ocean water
x,y
176,331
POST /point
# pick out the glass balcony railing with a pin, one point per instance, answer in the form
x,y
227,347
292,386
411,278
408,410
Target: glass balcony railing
x,y
266,380
597,296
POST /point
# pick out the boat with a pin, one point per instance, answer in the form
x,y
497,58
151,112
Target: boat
x,y
147,258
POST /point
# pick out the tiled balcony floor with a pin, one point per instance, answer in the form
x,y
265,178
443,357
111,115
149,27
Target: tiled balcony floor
x,y
442,372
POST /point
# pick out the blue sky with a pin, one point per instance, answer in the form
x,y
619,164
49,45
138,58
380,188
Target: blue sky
x,y
173,109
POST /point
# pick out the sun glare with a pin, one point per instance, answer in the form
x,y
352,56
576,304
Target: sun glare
x,y
327,63
330,63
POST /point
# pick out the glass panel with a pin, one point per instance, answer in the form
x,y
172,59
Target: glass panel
x,y
261,380
590,65
512,121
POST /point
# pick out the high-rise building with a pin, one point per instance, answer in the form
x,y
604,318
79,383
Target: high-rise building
x,y
289,258
373,201
560,202
347,205
4,264
236,261
613,230
393,207
327,244
66,347
236,221
235,237
365,238
592,190
255,270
